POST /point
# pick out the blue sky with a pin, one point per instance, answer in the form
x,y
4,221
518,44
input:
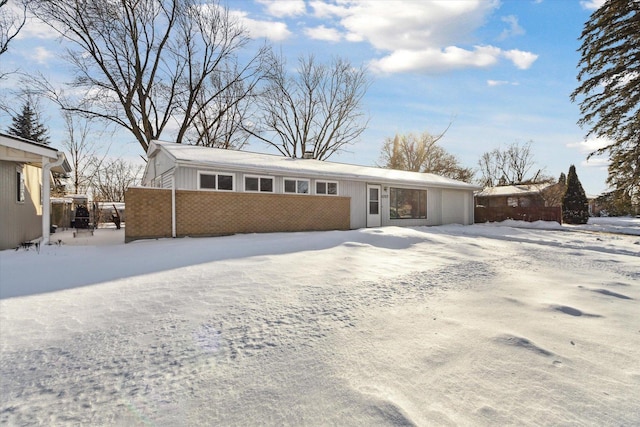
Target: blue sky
x,y
501,71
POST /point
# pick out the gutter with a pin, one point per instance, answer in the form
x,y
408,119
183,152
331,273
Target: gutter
x,y
46,194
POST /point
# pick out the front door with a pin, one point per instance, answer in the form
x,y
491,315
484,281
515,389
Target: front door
x,y
373,205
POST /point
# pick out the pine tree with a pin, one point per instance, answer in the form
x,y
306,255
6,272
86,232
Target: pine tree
x,y
562,179
26,125
609,89
575,206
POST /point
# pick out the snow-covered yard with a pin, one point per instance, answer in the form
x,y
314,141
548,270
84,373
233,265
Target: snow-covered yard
x,y
451,325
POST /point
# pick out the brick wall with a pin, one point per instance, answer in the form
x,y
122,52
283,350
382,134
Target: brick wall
x,y
209,213
531,214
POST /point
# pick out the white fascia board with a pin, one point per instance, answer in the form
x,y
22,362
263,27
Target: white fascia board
x,y
32,148
336,176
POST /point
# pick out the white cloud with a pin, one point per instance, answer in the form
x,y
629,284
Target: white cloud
x,y
592,4
410,24
423,36
40,55
437,60
596,162
279,8
35,28
590,145
324,33
520,59
325,10
275,31
501,83
514,27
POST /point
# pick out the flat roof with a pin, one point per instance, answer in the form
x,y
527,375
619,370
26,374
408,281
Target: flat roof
x,y
193,155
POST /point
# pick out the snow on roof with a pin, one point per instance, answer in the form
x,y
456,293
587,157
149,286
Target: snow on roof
x,y
269,163
512,190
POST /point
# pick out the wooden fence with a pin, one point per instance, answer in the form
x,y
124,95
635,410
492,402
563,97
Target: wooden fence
x,y
530,214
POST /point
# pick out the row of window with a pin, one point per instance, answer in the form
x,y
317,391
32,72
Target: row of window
x,y
404,203
264,184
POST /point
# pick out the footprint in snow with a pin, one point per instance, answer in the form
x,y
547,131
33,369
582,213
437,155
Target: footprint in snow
x,y
572,311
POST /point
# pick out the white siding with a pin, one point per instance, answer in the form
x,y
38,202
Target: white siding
x,y
444,206
20,221
358,193
455,207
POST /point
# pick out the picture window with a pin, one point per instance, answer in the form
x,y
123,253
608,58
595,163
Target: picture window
x,y
406,203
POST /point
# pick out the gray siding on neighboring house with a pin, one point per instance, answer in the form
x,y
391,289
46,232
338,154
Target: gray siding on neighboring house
x,y
19,221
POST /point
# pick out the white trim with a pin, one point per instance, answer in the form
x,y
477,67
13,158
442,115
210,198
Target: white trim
x,y
284,184
217,177
244,183
374,219
20,187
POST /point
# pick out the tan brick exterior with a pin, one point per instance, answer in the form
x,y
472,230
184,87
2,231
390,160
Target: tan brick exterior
x,y
210,213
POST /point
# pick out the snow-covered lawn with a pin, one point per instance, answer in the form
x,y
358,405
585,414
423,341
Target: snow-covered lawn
x,y
479,325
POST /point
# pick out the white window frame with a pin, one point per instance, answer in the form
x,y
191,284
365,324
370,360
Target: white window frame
x,y
284,185
217,175
321,181
260,177
20,186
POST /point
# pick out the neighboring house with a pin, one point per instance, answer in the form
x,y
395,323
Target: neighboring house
x,y
523,195
526,202
595,207
25,179
276,193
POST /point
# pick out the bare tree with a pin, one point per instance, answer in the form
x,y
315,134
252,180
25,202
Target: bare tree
x,y
219,123
83,146
11,22
112,178
316,111
421,153
510,166
143,64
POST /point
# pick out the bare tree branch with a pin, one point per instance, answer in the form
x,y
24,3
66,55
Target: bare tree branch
x,y
143,64
317,110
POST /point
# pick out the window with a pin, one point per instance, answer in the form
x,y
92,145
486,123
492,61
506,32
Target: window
x,y
19,185
215,181
263,184
327,187
298,186
407,203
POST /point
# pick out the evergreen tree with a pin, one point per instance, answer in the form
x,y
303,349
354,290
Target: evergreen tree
x,y
562,179
575,206
609,89
26,125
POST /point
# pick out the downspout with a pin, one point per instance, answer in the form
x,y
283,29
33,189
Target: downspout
x,y
46,195
173,206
